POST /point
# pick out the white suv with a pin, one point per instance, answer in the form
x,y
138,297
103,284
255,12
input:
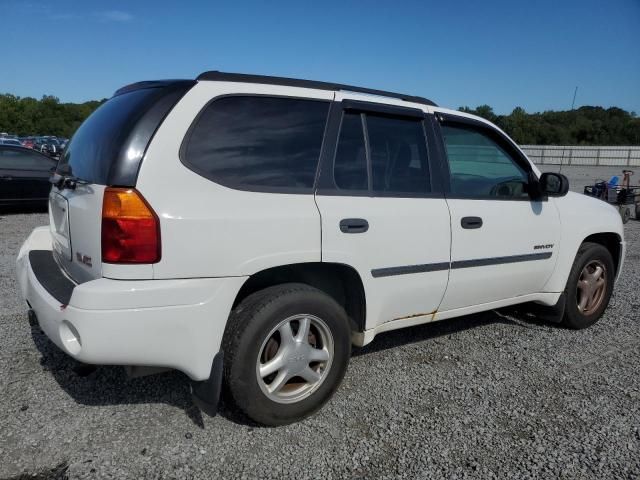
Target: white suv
x,y
248,230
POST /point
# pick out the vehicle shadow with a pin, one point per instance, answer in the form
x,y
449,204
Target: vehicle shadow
x,y
429,331
109,385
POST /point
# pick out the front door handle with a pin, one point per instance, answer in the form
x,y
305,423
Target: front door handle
x,y
471,222
354,225
5,177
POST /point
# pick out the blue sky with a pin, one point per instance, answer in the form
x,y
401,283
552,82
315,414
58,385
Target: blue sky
x,y
504,53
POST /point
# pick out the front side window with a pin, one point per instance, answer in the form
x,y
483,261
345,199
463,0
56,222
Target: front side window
x,y
255,142
480,166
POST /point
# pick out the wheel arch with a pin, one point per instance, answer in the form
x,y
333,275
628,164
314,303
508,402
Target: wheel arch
x,y
611,241
340,281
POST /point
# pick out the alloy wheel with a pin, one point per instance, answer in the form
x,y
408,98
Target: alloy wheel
x,y
592,287
294,358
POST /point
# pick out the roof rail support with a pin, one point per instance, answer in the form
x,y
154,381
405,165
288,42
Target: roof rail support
x,y
294,82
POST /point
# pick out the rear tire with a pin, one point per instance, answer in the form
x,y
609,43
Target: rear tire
x,y
589,286
275,372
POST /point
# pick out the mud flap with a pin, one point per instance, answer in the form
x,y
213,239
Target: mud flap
x,y
206,393
553,313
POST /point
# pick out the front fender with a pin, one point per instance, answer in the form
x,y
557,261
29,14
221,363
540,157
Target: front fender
x,y
580,217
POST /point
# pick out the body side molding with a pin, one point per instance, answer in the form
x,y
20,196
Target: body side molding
x,y
480,262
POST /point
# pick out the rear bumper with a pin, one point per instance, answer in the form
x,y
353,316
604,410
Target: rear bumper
x,y
162,323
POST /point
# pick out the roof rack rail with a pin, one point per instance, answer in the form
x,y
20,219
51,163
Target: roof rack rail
x,y
215,75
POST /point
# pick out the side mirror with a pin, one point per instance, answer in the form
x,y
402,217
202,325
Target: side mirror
x,y
554,184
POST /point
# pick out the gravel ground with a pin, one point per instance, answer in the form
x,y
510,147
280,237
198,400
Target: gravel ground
x,y
484,396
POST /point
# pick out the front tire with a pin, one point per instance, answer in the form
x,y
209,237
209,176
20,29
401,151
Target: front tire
x,y
286,351
589,286
625,213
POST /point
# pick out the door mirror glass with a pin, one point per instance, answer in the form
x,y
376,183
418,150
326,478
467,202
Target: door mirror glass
x,y
554,184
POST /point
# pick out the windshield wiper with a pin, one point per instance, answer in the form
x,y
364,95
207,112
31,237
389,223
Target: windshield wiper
x,y
64,178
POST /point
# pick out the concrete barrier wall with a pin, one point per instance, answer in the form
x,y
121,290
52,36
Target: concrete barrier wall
x,y
596,156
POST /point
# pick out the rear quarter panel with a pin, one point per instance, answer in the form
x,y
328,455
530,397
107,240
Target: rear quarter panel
x,y
209,230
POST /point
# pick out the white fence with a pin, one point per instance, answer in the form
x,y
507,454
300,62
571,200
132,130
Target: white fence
x,y
605,156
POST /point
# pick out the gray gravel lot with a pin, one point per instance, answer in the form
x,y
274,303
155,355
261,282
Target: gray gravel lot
x,y
484,396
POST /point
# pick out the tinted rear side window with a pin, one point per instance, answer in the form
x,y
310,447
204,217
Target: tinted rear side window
x,y
252,142
399,162
350,164
394,162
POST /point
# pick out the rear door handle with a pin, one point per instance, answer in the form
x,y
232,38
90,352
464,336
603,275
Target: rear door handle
x,y
354,225
5,177
471,222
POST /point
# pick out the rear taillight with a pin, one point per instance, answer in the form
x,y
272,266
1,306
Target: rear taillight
x,y
130,228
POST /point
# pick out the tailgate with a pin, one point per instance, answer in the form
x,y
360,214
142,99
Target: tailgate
x,y
75,218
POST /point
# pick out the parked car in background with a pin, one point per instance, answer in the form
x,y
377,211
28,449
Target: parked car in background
x,y
248,230
48,146
24,176
10,141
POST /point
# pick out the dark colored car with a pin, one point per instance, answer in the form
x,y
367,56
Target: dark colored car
x,y
48,146
10,141
24,176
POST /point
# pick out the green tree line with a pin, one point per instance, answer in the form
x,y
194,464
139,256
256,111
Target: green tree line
x,y
582,126
47,116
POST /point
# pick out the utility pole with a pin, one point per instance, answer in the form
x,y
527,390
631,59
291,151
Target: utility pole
x,y
573,104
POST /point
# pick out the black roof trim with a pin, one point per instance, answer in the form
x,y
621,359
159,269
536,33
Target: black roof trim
x,y
382,108
153,84
294,82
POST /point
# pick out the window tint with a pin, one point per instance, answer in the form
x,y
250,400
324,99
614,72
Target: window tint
x,y
350,165
109,145
398,155
480,166
97,143
250,142
24,160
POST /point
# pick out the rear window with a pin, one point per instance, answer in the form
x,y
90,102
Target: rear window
x,y
258,143
108,147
